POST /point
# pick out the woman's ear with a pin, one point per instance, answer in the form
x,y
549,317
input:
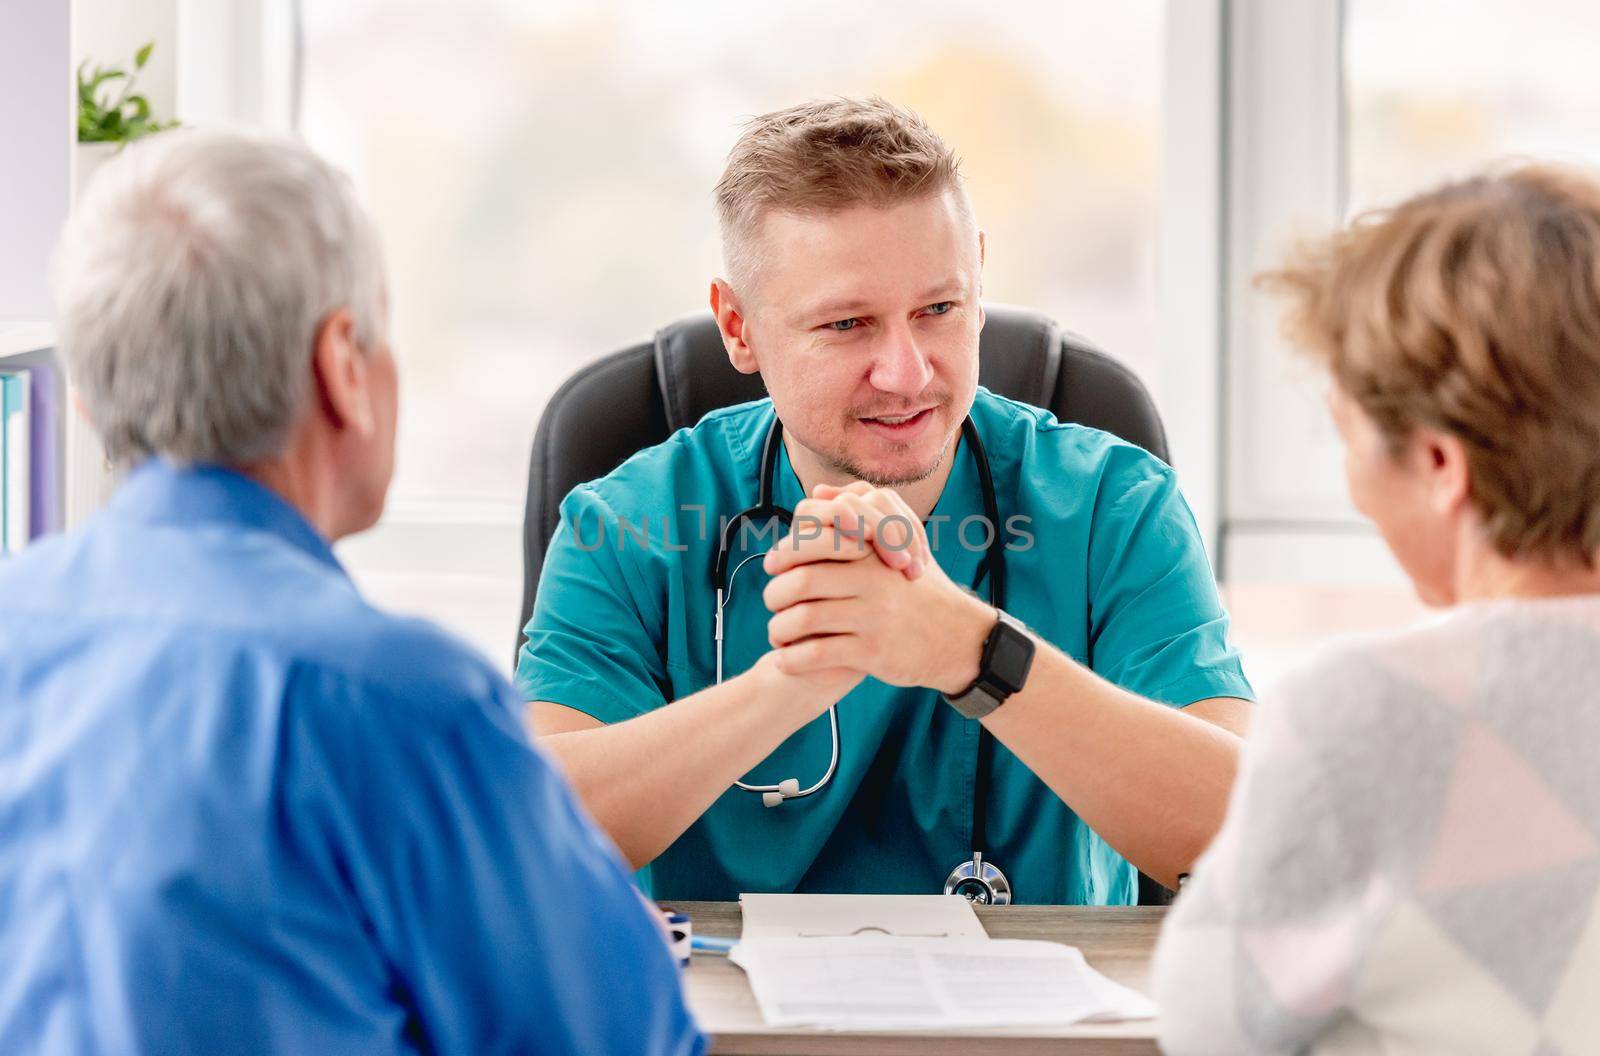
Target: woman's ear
x,y
1442,458
343,381
731,321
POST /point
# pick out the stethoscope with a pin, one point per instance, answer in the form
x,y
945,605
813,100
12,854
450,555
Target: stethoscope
x,y
976,880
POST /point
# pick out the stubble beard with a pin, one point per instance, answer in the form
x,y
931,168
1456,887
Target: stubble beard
x,y
855,471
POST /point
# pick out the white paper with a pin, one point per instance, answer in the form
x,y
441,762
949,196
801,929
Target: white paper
x,y
839,916
872,982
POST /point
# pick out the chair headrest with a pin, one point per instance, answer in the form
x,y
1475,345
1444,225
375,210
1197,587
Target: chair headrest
x,y
1019,355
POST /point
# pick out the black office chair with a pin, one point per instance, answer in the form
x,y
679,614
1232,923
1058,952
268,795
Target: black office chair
x,y
639,396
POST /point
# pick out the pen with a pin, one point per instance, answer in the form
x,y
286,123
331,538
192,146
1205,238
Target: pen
x,y
711,944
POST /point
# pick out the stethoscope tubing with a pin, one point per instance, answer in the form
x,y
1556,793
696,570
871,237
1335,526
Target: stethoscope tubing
x,y
722,579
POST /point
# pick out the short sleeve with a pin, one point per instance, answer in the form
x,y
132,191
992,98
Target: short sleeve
x,y
506,918
1156,625
594,641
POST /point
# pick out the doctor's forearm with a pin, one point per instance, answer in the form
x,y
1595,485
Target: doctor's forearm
x,y
648,779
1151,780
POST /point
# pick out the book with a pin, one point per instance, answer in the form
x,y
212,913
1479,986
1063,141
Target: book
x,y
46,400
39,439
5,463
15,471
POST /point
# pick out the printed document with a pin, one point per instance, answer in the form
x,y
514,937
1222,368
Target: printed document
x,y
874,982
839,916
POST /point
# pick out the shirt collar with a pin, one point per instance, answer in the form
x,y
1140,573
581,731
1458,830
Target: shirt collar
x,y
159,492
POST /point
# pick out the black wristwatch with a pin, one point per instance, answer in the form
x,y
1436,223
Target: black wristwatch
x,y
1003,670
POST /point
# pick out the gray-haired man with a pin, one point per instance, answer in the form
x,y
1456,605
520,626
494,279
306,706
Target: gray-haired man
x,y
241,810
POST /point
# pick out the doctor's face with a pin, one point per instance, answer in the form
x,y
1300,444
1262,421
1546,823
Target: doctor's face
x,y
864,325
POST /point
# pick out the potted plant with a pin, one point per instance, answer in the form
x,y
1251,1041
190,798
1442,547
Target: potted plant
x,y
108,118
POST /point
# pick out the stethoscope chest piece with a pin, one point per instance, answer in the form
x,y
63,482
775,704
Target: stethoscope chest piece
x,y
979,882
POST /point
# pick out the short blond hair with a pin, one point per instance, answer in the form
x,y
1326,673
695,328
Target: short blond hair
x,y
1475,309
825,155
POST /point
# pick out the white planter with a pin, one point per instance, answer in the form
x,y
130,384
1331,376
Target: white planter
x,y
86,159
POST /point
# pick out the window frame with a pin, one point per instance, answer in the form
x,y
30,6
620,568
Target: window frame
x,y
1286,517
1253,146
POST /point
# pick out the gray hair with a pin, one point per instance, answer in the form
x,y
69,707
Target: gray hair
x,y
190,284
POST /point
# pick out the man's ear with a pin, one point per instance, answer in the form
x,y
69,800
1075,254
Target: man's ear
x,y
982,318
732,324
342,375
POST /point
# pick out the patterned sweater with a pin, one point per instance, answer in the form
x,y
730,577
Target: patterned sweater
x,y
1411,860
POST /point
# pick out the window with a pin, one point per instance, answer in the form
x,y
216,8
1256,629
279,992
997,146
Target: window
x,y
1426,91
1496,80
542,172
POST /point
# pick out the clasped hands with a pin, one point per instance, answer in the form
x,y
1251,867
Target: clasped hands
x,y
856,592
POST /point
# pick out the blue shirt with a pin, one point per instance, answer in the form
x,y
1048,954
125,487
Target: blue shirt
x,y
1103,560
243,811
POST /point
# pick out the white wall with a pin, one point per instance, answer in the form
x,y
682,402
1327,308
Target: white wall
x,y
36,100
41,44
108,32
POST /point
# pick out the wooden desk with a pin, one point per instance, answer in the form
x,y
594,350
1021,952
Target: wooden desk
x,y
1117,942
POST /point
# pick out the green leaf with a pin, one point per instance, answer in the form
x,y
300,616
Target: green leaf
x,y
105,117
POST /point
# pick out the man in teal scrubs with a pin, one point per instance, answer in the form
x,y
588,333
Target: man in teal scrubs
x,y
854,268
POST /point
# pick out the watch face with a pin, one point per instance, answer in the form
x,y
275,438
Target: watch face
x,y
1010,657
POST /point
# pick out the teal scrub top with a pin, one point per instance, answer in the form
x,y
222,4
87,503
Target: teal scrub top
x,y
1103,560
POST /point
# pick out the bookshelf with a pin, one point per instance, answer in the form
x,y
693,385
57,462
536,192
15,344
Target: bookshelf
x,y
40,48
65,448
22,338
